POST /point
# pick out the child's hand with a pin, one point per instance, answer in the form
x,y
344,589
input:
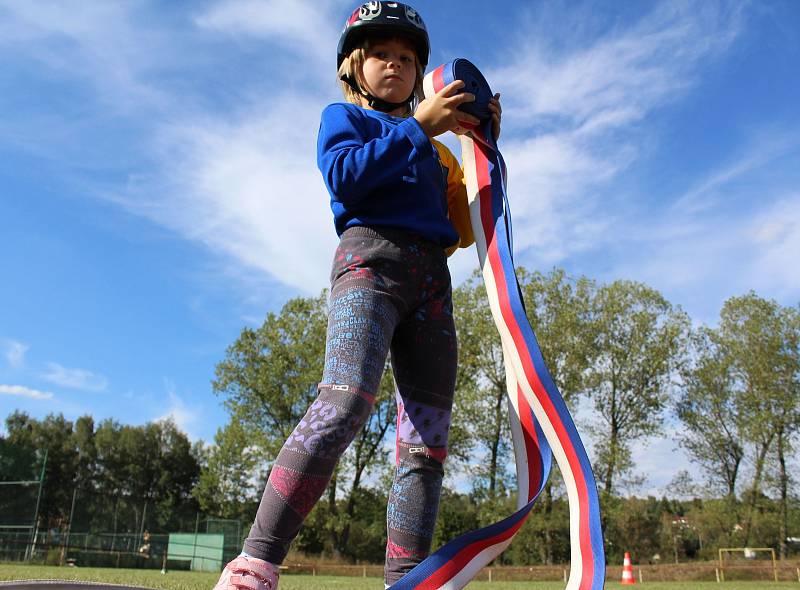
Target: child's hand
x,y
497,113
439,113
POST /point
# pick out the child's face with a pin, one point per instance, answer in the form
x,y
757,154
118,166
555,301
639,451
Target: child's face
x,y
390,70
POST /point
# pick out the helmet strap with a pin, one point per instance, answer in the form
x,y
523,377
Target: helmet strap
x,y
374,102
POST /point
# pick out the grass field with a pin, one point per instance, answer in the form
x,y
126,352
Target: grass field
x,y
204,581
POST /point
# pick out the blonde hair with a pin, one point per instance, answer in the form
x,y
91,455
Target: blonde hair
x,y
352,68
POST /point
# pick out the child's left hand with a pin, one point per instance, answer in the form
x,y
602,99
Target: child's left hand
x,y
497,112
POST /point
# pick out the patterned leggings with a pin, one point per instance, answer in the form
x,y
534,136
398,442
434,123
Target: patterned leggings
x,y
390,291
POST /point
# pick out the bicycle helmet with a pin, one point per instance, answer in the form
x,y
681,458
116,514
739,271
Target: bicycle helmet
x,y
385,18
382,18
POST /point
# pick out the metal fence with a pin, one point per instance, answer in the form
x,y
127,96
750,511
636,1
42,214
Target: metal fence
x,y
221,539
19,512
111,530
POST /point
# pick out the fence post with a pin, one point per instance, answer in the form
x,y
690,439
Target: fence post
x,y
716,571
490,574
69,526
194,545
35,529
141,529
114,532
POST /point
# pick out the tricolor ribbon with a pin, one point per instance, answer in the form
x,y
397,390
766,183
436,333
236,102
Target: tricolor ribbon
x,y
541,425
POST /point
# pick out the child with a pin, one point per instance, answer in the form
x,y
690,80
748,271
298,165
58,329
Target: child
x,y
400,207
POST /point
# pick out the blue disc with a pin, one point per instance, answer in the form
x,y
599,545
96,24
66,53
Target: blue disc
x,y
474,82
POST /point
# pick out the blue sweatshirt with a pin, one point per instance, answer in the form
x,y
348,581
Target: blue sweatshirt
x,y
383,171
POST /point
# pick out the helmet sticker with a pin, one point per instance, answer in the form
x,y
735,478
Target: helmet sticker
x,y
369,10
414,18
353,17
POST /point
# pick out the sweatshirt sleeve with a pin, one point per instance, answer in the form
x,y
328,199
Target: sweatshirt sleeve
x,y
457,202
353,164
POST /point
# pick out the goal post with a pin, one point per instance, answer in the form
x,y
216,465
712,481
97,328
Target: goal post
x,y
748,553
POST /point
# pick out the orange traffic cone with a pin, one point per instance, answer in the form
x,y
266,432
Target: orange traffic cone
x,y
627,570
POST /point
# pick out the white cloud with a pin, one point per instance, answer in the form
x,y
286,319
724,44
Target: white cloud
x,y
184,416
79,379
14,352
101,43
236,183
776,234
549,177
304,28
23,391
242,180
615,77
714,188
573,112
248,189
719,238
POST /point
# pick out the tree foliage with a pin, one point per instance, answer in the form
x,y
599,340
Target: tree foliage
x,y
708,409
560,311
270,374
619,346
480,423
230,479
155,464
269,378
762,340
640,339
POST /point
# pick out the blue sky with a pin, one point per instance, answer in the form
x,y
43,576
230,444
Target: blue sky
x,y
158,187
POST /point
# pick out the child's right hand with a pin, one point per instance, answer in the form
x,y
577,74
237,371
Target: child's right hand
x,y
439,113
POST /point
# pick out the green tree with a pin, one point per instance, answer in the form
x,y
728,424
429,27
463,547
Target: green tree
x,y
17,462
635,524
152,468
708,409
559,309
148,471
177,471
786,414
762,339
715,524
479,417
83,441
228,485
458,515
54,435
269,378
640,340
545,536
269,375
365,456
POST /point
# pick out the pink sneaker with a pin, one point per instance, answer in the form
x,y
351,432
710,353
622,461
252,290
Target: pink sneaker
x,y
248,573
